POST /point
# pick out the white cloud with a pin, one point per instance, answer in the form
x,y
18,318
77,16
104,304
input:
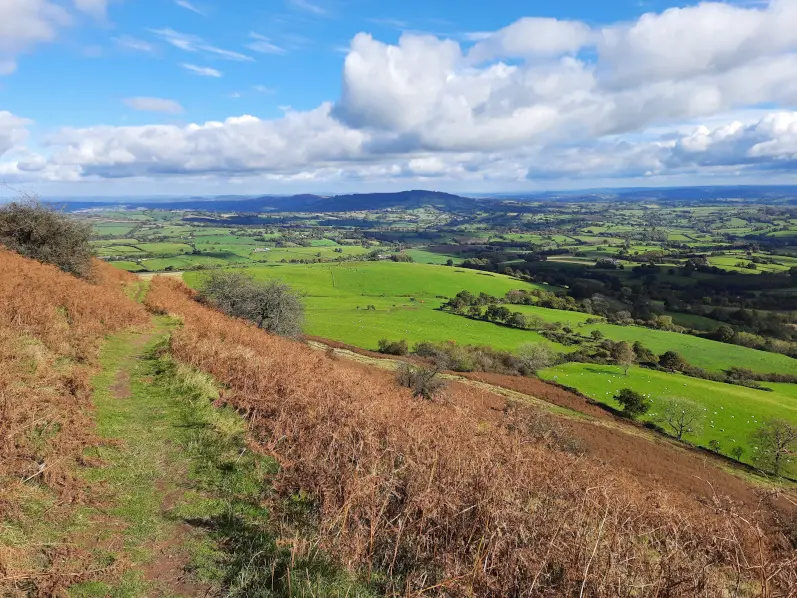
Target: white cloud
x,y
238,145
308,6
13,130
264,45
25,23
193,43
189,6
537,99
154,105
96,8
530,37
132,43
205,71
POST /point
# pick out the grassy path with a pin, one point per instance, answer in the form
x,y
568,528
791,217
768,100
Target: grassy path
x,y
143,478
182,496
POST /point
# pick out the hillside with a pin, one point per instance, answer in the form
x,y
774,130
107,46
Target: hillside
x,y
182,452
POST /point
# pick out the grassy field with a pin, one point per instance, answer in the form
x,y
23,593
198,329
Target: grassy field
x,y
405,297
703,353
732,413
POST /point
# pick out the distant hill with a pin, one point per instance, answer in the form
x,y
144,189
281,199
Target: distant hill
x,y
775,195
296,203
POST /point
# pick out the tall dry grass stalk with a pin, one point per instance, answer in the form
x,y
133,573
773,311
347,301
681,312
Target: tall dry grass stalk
x,y
51,325
431,503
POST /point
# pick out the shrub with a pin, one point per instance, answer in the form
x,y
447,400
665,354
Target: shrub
x,y
272,305
424,382
393,347
535,356
43,233
634,404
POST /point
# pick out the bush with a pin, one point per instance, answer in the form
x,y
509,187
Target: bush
x,y
44,234
535,356
634,404
424,382
272,305
393,347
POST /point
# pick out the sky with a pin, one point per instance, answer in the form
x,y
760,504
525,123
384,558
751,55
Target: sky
x,y
183,97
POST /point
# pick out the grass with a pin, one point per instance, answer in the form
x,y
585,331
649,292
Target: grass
x,y
405,297
184,488
703,353
732,412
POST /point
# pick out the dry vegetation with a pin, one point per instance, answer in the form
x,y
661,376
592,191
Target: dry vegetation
x,y
425,499
51,325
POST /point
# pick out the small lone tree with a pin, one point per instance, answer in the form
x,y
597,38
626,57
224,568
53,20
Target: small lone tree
x,y
41,232
423,381
534,357
633,403
623,354
737,452
682,417
714,446
774,441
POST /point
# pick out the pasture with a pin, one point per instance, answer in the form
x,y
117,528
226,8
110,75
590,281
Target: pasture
x,y
731,413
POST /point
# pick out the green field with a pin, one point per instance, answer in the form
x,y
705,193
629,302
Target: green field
x,y
700,352
732,412
405,297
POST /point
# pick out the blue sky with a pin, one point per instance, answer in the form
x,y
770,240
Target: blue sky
x,y
102,97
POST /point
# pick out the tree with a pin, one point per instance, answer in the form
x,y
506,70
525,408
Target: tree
x,y
643,354
714,446
517,320
596,334
672,361
737,452
725,333
449,262
272,306
633,403
773,442
43,233
682,417
623,354
534,357
424,382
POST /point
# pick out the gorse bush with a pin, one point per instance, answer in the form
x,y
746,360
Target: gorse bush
x,y
41,232
271,305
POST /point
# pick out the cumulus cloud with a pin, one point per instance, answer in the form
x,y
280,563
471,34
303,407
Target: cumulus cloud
x,y
154,105
25,23
531,37
13,131
235,146
540,98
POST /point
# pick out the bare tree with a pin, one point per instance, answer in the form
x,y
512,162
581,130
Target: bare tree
x,y
680,416
424,382
773,442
